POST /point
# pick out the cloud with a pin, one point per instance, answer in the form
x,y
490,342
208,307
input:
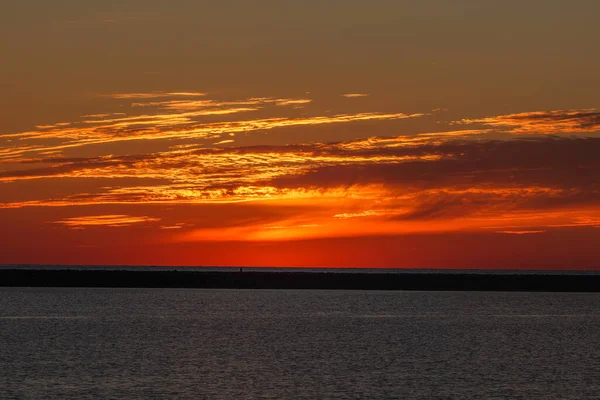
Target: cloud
x,y
428,182
104,220
368,213
174,116
412,181
102,115
194,104
538,162
291,102
216,167
581,222
521,232
154,95
347,189
354,95
544,122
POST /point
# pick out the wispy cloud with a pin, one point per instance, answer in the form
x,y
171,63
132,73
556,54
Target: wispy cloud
x,y
178,126
154,95
193,104
104,220
179,225
102,115
291,102
368,213
354,95
586,221
544,122
172,119
525,232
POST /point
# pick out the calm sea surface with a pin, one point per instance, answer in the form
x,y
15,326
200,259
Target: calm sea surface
x,y
243,344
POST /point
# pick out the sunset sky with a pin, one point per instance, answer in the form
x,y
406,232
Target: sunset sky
x,y
407,134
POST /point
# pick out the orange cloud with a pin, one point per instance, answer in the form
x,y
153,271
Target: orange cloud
x,y
349,189
455,180
104,220
193,104
174,119
544,122
521,232
368,213
354,95
155,95
581,221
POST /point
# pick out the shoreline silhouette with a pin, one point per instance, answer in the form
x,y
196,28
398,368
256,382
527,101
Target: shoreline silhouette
x,y
246,278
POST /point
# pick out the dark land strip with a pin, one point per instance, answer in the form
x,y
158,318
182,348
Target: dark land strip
x,y
247,279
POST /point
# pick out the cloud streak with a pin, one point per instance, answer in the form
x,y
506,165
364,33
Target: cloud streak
x,y
154,95
113,221
176,116
355,95
544,122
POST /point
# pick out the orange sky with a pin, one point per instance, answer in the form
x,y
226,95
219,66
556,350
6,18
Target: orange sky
x,y
388,134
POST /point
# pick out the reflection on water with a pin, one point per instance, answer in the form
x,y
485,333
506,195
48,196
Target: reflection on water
x,y
235,344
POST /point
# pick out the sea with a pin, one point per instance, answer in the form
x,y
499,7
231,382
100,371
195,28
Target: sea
x,y
88,343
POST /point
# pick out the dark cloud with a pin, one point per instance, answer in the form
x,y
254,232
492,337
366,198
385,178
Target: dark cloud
x,y
554,162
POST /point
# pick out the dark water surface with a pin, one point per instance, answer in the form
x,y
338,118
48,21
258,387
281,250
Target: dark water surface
x,y
236,344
